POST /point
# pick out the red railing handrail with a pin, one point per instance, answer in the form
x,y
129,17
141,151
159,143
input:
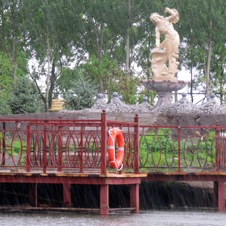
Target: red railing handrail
x,y
82,137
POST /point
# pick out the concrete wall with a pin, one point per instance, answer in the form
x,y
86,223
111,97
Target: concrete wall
x,y
145,118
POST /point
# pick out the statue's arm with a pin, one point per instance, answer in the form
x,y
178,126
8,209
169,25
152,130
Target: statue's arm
x,y
157,35
173,13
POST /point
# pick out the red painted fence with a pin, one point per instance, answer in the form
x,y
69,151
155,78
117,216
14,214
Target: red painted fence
x,y
81,146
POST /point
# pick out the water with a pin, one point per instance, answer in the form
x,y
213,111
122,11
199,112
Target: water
x,y
148,218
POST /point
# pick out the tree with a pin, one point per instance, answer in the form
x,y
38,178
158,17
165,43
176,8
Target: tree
x,y
80,94
114,79
202,31
6,83
12,37
110,41
53,31
25,98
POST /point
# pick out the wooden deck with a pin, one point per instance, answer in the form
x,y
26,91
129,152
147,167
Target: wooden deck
x,y
67,179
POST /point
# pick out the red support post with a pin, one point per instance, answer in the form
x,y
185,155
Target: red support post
x,y
221,196
135,197
103,143
67,195
104,199
81,149
3,144
136,145
60,146
178,166
217,149
45,148
28,156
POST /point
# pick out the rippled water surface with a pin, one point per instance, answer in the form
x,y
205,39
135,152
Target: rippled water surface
x,y
149,218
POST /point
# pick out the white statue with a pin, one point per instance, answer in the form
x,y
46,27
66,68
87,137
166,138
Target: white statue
x,y
165,55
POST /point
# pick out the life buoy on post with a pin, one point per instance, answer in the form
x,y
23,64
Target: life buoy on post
x,y
115,134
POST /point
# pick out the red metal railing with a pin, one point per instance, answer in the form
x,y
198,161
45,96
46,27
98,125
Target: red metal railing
x,y
81,146
62,145
183,148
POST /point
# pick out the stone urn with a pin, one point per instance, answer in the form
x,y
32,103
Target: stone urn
x,y
164,89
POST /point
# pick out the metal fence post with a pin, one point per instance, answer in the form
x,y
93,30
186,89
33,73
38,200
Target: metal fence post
x,y
45,148
60,147
136,145
81,144
179,138
3,144
103,143
28,156
217,166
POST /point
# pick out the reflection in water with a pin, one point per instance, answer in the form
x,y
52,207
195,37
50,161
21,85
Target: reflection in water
x,y
148,218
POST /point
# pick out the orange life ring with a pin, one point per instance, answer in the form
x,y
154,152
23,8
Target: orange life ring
x,y
115,134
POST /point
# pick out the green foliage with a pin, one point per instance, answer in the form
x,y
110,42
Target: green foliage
x,y
5,88
202,31
78,91
102,35
112,78
159,149
67,79
6,82
16,147
24,98
102,70
81,94
200,151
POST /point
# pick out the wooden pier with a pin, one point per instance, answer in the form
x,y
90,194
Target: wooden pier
x,y
74,152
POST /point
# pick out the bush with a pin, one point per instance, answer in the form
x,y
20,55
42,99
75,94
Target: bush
x,y
25,98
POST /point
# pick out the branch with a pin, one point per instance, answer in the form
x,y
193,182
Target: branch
x,y
36,84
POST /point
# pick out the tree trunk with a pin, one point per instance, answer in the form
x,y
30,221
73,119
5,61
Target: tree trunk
x,y
48,71
14,60
208,87
14,40
53,78
100,37
127,68
221,86
191,89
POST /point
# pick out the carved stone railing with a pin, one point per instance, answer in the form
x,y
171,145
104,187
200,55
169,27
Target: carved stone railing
x,y
181,106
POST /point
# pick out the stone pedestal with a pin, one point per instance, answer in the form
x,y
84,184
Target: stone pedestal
x,y
164,89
